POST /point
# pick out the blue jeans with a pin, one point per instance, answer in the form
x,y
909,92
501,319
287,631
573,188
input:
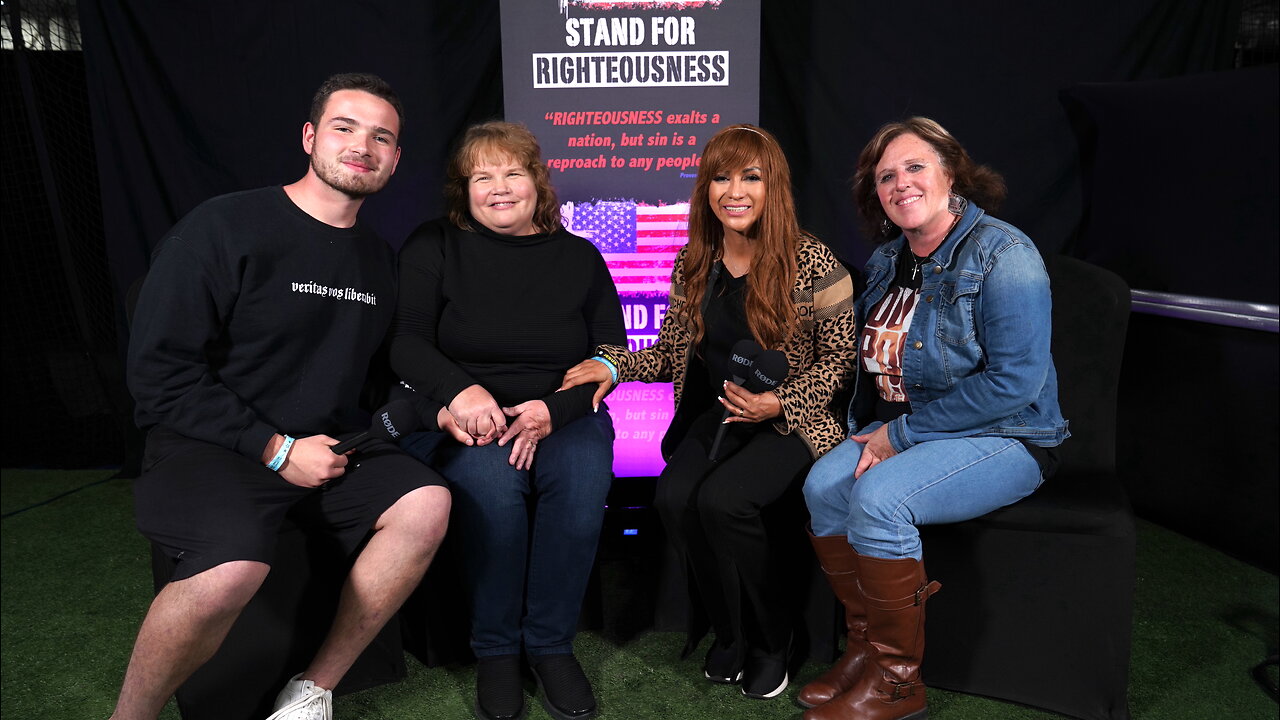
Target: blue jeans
x,y
933,482
527,584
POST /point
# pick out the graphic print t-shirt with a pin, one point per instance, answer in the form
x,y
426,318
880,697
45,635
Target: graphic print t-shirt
x,y
885,335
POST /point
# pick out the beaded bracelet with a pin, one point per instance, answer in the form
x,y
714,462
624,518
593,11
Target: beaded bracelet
x,y
613,369
281,454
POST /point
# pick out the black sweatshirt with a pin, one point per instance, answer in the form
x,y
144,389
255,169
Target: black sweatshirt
x,y
509,313
256,318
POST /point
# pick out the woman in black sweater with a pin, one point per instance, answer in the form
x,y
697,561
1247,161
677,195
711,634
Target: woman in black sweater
x,y
496,302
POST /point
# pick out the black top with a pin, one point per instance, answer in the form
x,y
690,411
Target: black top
x,y
510,313
256,318
907,280
724,324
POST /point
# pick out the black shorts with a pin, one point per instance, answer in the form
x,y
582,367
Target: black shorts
x,y
206,505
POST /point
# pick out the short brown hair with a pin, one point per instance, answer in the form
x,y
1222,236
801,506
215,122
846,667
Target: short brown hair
x,y
366,82
978,183
499,138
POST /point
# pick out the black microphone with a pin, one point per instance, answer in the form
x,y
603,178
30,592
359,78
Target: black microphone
x,y
741,361
390,422
741,358
767,373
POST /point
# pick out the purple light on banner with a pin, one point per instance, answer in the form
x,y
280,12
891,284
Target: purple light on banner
x,y
641,413
625,149
639,243
610,226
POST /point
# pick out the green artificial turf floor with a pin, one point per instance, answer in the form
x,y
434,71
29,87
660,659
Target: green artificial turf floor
x,y
75,580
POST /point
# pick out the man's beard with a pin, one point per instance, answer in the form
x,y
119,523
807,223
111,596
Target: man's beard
x,y
354,185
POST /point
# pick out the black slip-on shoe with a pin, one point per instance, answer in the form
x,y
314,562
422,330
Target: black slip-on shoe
x,y
723,664
499,688
765,676
566,693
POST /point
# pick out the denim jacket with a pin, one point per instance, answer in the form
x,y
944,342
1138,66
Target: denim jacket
x,y
976,360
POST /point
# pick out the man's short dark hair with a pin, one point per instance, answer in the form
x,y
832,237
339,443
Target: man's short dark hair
x,y
367,82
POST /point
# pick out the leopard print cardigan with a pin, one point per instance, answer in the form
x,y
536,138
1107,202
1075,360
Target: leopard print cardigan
x,y
821,350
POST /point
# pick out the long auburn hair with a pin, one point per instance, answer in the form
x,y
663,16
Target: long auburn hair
x,y
769,309
978,183
495,140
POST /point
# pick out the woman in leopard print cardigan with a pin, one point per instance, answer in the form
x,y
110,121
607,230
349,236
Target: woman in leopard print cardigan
x,y
748,272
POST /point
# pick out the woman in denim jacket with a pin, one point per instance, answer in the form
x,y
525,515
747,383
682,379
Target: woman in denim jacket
x,y
954,412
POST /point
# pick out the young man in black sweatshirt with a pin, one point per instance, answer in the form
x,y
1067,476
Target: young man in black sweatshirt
x,y
251,343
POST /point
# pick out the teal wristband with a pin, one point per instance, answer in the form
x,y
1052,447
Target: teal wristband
x,y
613,369
281,454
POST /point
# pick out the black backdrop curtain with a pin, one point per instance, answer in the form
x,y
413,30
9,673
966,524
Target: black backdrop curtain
x,y
988,71
191,100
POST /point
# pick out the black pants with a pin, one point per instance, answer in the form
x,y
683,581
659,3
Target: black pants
x,y
715,516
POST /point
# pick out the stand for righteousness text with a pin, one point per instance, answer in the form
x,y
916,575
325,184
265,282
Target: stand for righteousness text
x,y
630,68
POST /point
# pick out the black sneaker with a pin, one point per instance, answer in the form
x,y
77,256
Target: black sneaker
x,y
499,688
566,692
765,676
723,664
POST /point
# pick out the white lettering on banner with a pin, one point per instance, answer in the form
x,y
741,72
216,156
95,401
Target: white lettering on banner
x,y
635,317
673,31
641,393
606,31
628,31
640,342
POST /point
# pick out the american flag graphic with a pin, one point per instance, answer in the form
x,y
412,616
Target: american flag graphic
x,y
639,242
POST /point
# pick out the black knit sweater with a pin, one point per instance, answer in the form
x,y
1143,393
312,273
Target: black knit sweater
x,y
509,313
256,318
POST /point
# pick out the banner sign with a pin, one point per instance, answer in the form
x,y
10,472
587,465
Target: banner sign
x,y
622,95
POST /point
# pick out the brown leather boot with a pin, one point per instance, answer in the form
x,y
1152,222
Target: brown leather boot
x,y
839,563
889,688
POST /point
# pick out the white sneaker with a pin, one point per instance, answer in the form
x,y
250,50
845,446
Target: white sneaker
x,y
303,700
